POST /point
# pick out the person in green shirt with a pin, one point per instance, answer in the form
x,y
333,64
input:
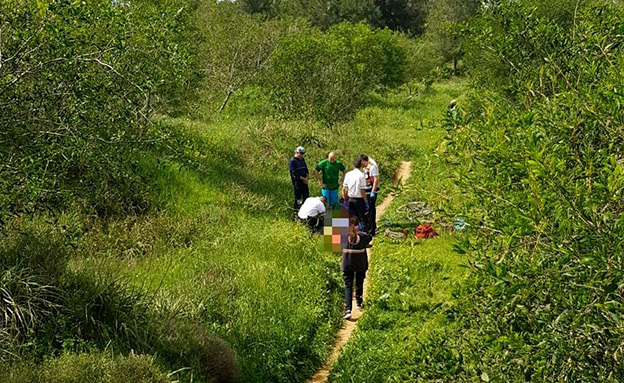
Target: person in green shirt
x,y
330,169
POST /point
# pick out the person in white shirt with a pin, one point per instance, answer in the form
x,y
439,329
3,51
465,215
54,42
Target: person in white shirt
x,y
312,213
354,191
371,173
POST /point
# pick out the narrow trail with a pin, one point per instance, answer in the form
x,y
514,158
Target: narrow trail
x,y
322,375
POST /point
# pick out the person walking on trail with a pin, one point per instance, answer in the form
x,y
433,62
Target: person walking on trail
x,y
371,173
299,175
330,168
354,191
354,265
312,213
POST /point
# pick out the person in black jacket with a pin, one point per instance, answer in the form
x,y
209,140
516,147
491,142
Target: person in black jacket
x,y
354,265
299,176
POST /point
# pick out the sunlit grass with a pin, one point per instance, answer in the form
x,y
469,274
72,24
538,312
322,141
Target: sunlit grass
x,y
223,250
411,281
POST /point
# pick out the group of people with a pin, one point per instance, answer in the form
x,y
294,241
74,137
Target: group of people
x,y
358,194
358,197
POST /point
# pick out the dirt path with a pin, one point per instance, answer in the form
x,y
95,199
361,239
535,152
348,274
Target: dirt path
x,y
348,326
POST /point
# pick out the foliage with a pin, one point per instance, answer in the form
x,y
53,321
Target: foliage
x,y
541,164
79,82
443,21
234,47
322,14
406,16
329,75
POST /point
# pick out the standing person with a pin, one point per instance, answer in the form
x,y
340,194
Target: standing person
x,y
354,265
312,213
371,172
299,177
330,168
353,191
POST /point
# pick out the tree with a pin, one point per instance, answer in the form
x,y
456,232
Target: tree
x,y
328,75
404,15
320,13
235,47
355,11
444,16
79,83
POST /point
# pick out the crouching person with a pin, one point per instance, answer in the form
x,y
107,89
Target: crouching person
x,y
312,213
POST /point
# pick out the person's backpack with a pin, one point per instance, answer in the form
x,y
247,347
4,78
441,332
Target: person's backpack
x,y
425,231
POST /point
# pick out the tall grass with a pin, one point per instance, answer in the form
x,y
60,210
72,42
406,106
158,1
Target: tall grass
x,y
411,282
217,282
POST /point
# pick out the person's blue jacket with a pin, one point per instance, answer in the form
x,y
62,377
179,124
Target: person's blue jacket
x,y
298,168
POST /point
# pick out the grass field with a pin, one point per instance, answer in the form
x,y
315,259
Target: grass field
x,y
224,251
411,281
217,280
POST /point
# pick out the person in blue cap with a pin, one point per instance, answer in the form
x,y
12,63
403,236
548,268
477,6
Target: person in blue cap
x,y
299,175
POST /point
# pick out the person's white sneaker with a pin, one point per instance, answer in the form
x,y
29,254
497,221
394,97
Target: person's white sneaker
x,y
347,315
358,306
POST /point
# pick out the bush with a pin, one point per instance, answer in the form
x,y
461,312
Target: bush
x,y
544,181
205,355
328,76
78,86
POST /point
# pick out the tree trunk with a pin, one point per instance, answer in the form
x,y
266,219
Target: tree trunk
x,y
227,98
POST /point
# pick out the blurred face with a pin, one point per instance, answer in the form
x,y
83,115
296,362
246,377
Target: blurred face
x,y
364,163
332,157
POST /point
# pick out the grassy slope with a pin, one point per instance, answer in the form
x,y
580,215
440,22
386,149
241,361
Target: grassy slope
x,y
410,281
224,252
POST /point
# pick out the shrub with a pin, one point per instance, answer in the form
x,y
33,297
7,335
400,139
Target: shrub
x,y
204,354
328,75
78,86
544,180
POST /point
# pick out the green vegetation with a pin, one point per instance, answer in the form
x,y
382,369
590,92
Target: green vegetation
x,y
411,281
328,76
537,157
172,236
397,15
79,83
541,157
93,367
145,228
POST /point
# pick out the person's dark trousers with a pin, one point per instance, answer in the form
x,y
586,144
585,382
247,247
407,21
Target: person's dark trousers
x,y
372,215
315,224
348,277
302,192
357,208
